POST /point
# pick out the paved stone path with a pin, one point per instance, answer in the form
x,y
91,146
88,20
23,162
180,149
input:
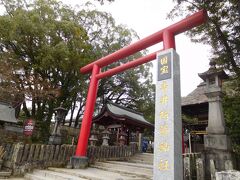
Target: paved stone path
x,y
138,167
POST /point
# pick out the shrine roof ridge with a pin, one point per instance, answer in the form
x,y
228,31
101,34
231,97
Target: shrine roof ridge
x,y
123,111
197,96
125,108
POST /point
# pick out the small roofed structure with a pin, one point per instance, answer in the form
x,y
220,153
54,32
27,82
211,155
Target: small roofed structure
x,y
7,113
195,106
122,121
112,112
196,103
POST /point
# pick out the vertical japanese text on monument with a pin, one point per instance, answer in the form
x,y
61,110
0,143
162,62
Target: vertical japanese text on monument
x,y
164,67
164,130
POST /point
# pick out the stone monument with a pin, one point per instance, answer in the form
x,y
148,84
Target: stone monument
x,y
55,137
168,123
94,135
217,144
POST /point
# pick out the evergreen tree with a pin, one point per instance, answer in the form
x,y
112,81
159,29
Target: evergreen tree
x,y
44,43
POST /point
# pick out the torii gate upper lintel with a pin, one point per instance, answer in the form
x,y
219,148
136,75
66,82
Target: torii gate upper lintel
x,y
166,35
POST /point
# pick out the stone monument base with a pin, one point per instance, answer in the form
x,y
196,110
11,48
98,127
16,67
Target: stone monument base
x,y
217,141
78,162
220,158
228,175
55,140
218,149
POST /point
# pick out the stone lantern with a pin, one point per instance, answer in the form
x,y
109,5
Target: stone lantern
x,y
93,138
217,144
123,138
213,78
105,137
55,137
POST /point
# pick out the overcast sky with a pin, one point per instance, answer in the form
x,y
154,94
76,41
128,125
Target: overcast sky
x,y
149,16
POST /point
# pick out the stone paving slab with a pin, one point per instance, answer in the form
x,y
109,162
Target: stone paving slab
x,y
123,169
56,175
150,158
95,174
144,158
35,177
144,154
140,161
141,165
141,175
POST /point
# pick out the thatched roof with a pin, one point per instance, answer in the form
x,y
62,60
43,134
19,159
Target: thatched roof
x,y
196,103
7,113
196,97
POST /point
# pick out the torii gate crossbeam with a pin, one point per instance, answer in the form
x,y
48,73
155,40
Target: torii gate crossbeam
x,y
165,35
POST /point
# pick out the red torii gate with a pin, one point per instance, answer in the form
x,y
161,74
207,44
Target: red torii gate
x,y
165,35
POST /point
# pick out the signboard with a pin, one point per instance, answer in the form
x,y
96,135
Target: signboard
x,y
168,122
28,127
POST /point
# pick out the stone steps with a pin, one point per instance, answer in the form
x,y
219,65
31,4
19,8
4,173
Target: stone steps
x,y
4,174
125,169
109,170
35,177
144,158
140,161
141,165
143,155
49,175
96,174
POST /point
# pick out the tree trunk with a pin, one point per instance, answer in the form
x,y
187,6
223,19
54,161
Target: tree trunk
x,y
25,109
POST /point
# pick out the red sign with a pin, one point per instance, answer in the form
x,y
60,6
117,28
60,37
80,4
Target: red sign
x,y
28,127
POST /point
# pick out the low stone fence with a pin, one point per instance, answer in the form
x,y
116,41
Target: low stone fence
x,y
228,175
21,158
101,153
193,166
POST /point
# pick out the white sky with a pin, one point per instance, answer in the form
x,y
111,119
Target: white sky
x,y
149,16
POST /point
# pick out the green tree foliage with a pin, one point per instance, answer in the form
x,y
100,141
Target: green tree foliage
x,y
231,105
44,43
132,89
222,33
129,88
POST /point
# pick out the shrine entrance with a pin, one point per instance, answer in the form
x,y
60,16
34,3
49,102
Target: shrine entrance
x,y
166,35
